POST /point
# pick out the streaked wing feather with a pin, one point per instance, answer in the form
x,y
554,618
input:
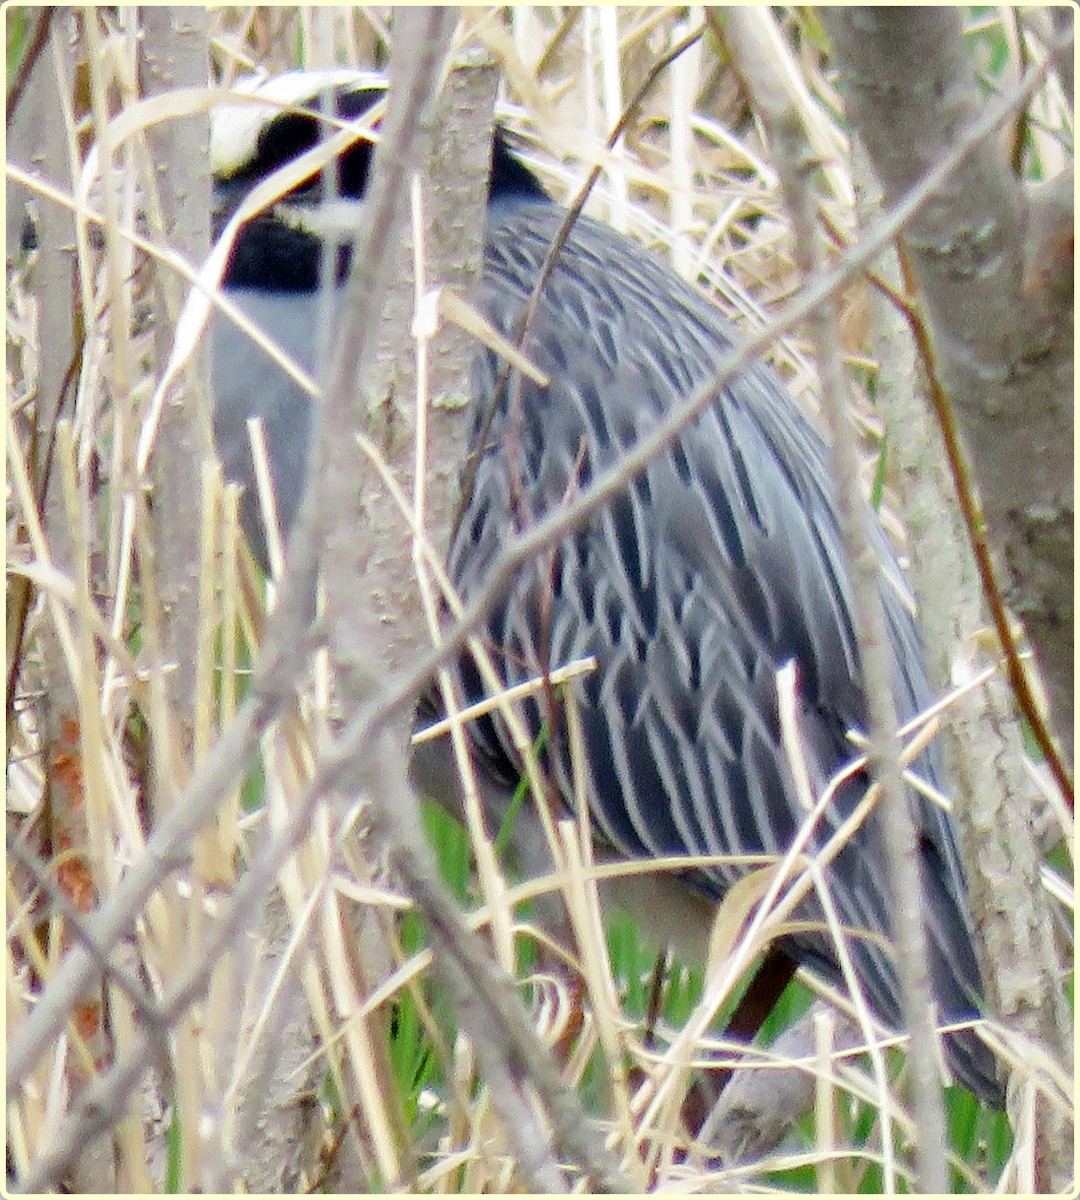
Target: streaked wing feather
x,y
719,563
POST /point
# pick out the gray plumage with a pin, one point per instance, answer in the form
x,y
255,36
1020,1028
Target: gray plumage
x,y
249,383
720,563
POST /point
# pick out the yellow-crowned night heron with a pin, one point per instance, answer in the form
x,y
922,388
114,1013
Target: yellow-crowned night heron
x,y
719,564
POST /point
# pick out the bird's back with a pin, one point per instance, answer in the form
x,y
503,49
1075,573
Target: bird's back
x,y
718,564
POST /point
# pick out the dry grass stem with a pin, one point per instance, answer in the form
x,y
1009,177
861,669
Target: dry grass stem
x,y
216,979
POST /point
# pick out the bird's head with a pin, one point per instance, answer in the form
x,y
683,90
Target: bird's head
x,y
290,119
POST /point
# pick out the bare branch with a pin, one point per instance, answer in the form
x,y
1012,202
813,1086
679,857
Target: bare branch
x,y
1012,914
795,161
1006,354
175,54
388,708
284,657
1064,20
759,1107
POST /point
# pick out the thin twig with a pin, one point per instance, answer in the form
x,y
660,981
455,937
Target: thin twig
x,y
30,58
977,537
284,658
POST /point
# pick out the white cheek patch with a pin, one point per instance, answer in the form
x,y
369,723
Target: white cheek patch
x,y
330,220
235,128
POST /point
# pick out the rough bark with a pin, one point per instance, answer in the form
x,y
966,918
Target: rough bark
x,y
1002,339
376,620
1013,917
67,722
174,54
1004,345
